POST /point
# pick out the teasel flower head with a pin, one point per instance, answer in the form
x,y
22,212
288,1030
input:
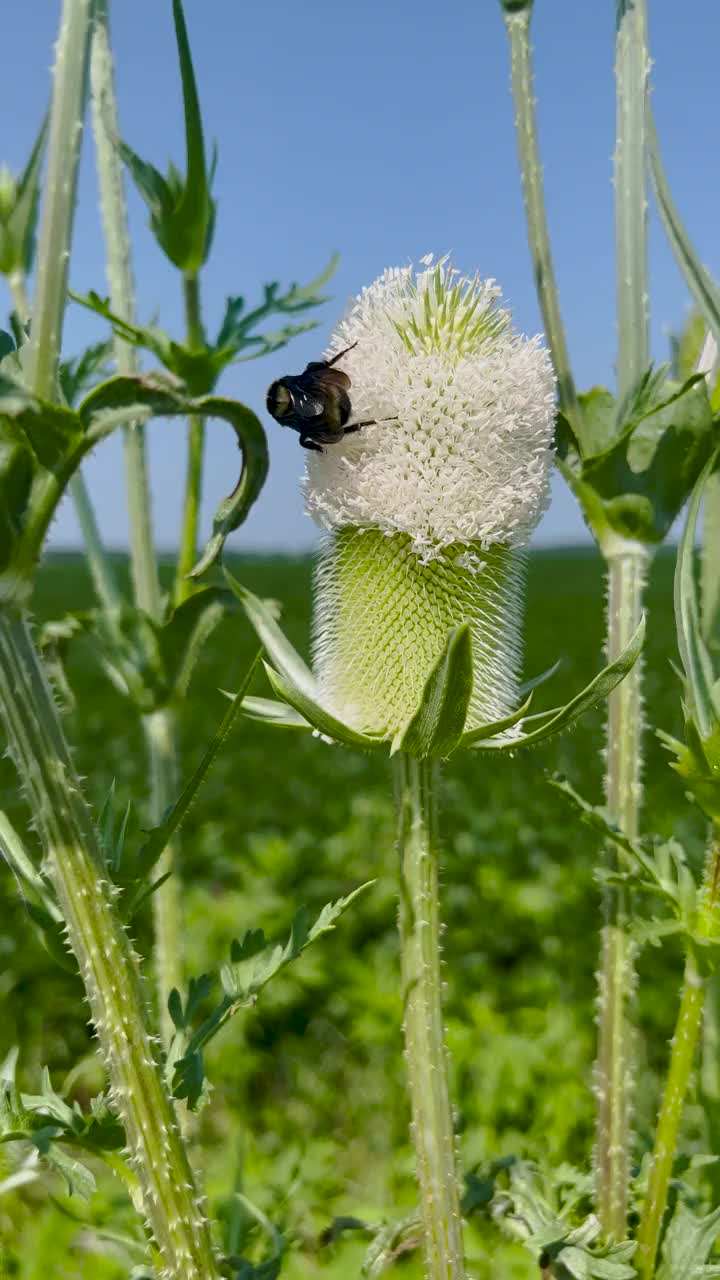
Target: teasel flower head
x,y
426,510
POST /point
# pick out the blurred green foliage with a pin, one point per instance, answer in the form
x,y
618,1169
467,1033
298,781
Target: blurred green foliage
x,y
307,1115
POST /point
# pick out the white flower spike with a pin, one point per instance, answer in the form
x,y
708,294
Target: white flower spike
x,y
468,458
425,511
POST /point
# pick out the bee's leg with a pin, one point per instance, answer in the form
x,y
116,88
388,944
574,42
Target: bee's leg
x,y
340,354
370,422
307,442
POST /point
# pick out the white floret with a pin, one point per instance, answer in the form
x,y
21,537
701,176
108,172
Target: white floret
x,y
467,456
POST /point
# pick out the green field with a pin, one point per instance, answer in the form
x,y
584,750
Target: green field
x,y
308,1115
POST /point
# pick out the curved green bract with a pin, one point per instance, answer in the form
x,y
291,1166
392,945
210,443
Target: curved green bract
x,y
437,726
593,693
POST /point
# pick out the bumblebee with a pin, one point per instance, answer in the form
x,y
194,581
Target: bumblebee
x,y
315,403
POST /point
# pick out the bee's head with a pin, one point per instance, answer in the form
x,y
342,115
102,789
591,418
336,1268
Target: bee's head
x,y
278,400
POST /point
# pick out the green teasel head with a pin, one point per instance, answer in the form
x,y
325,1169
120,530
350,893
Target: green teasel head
x,y
428,508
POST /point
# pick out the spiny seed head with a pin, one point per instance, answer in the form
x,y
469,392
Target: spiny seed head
x,y
426,511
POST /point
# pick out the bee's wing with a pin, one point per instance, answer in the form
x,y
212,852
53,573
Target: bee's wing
x,y
307,403
320,377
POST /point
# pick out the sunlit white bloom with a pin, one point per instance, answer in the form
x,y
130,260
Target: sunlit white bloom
x,y
466,455
426,508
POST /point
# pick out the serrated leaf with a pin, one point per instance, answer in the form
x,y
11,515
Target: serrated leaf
x,y
437,725
688,1242
254,961
593,693
77,374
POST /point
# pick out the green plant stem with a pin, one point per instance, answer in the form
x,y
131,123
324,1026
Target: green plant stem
x,y
107,962
18,288
159,727
196,441
143,561
425,1052
160,735
627,569
65,136
682,1054
626,580
631,75
101,571
518,29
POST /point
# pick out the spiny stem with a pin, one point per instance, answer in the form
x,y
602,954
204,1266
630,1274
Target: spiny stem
x,y
101,571
160,736
682,1054
631,76
196,441
106,959
518,28
159,727
626,579
425,1052
143,561
18,288
65,136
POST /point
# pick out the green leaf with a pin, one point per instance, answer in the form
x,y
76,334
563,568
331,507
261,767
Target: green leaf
x,y
183,636
268,711
16,477
38,896
124,398
593,693
688,1243
632,465
18,223
253,962
437,726
529,685
195,213
660,866
263,616
316,715
495,727
694,655
48,430
160,836
700,283
182,211
253,445
46,1120
78,373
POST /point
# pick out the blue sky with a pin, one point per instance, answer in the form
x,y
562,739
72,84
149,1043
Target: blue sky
x,y
384,131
